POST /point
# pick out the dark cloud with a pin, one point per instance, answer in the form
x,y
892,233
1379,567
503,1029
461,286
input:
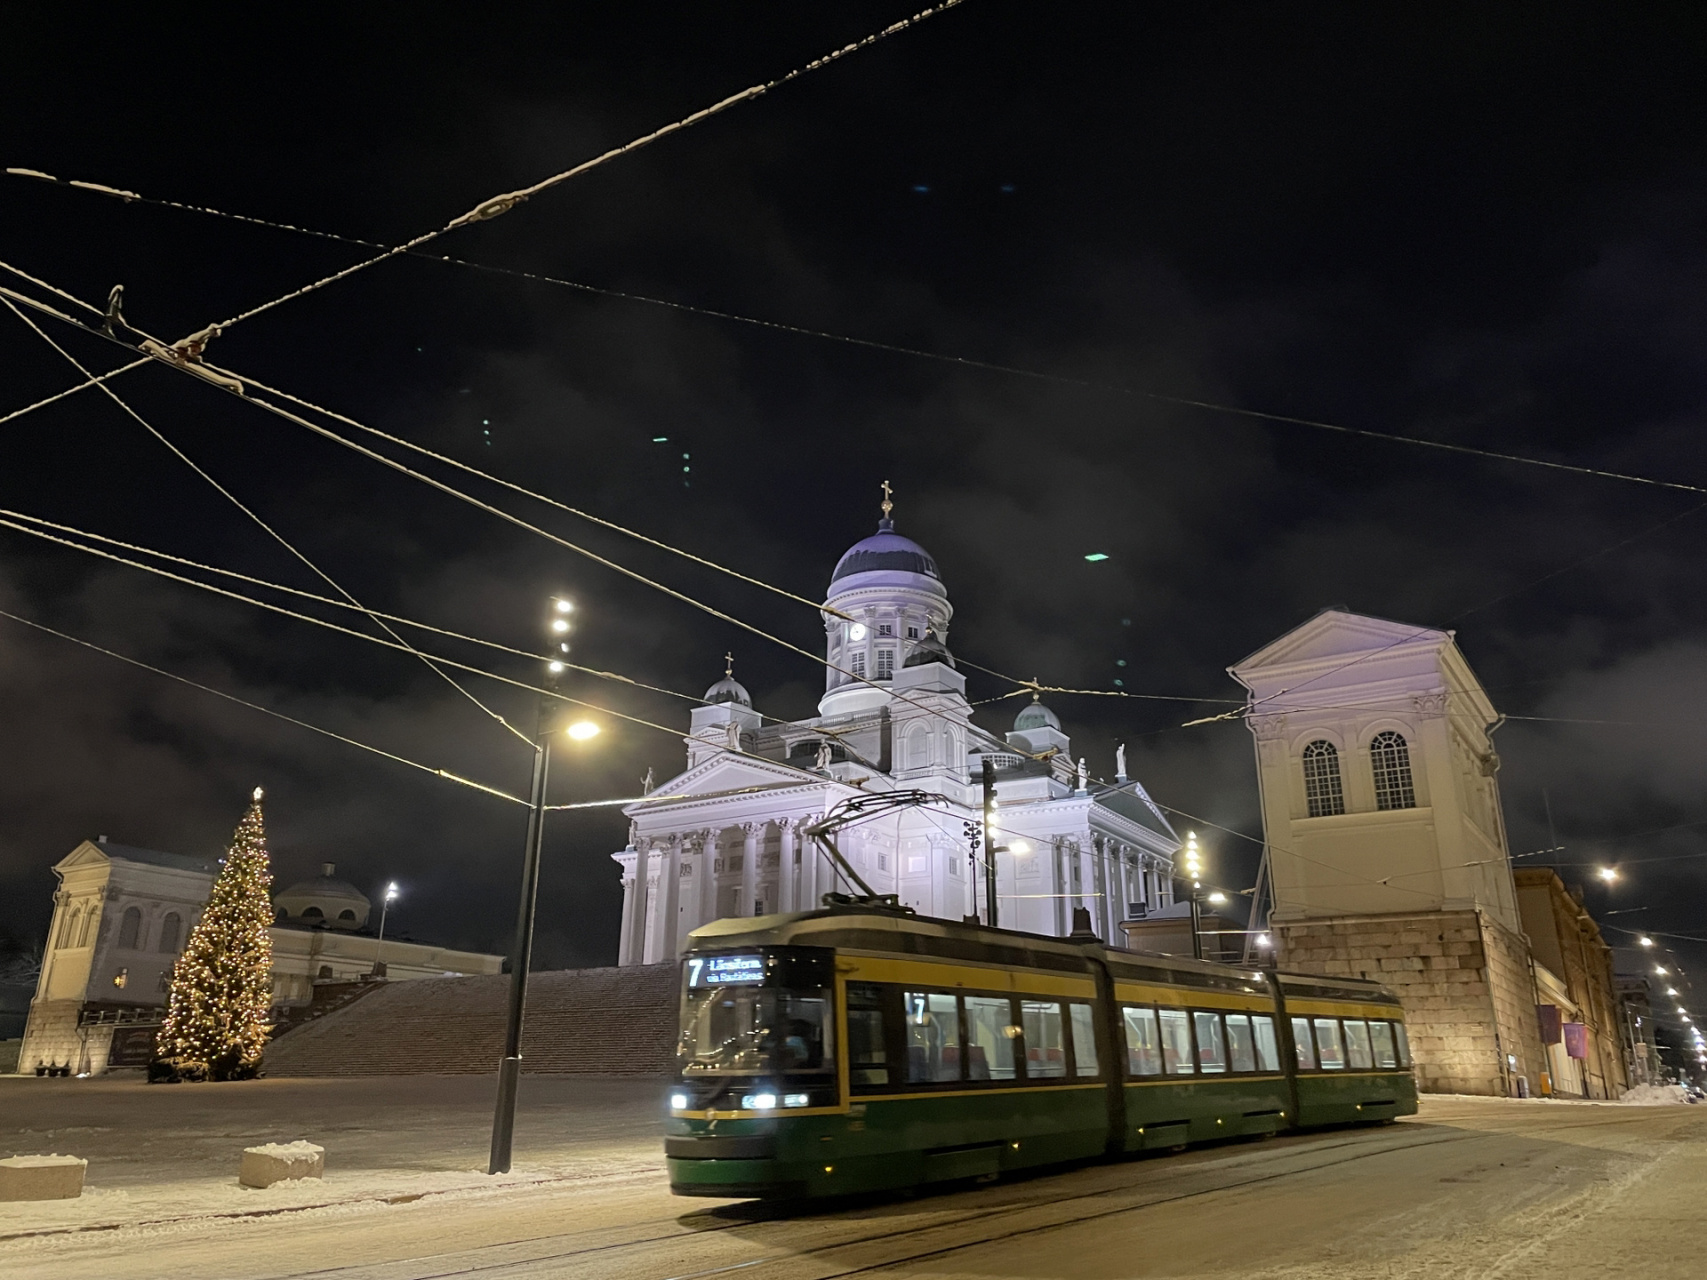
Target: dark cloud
x,y
1472,225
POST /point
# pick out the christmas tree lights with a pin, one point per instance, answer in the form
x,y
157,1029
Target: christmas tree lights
x,y
222,986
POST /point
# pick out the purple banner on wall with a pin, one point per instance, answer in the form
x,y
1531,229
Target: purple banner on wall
x,y
1548,1016
1576,1039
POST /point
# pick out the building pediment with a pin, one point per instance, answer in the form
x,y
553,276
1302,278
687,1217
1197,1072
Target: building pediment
x,y
728,775
1336,633
87,854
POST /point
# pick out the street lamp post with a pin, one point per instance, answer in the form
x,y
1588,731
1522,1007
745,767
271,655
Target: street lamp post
x,y
384,907
1193,859
510,1068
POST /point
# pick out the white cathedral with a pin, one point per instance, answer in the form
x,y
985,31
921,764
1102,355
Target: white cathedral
x,y
724,838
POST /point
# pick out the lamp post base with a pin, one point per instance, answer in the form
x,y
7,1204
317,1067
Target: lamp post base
x,y
504,1121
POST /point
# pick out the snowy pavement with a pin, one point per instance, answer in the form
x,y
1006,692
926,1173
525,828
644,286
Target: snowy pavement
x,y
1472,1187
169,1154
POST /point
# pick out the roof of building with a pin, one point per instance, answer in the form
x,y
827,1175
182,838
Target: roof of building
x,y
885,549
325,886
729,689
155,858
930,649
1036,716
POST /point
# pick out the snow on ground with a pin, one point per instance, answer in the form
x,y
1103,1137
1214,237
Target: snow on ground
x,y
1656,1095
165,1157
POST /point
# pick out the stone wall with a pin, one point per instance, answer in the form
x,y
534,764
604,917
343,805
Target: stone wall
x,y
1463,979
53,1038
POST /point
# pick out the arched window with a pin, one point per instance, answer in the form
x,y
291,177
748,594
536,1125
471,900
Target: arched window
x,y
130,928
83,929
1390,759
170,928
1322,791
313,913
346,914
68,930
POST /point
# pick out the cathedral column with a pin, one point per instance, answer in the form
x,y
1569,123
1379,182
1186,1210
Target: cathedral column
x,y
625,937
651,929
636,939
787,889
670,906
749,866
707,870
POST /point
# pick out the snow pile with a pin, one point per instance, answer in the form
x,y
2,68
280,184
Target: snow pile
x,y
298,1150
1655,1095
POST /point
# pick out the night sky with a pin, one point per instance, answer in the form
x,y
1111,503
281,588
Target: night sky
x,y
1476,224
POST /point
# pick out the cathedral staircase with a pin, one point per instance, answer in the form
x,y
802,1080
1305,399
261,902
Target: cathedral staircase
x,y
582,1021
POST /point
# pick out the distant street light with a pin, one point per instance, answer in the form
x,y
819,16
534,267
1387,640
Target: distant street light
x,y
1646,942
384,907
1608,874
1193,860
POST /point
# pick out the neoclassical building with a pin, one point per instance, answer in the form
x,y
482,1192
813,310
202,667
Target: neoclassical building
x,y
724,837
121,917
1386,841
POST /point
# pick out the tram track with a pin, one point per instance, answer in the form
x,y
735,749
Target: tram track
x,y
629,1254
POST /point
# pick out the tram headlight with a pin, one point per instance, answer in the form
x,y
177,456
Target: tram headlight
x,y
796,1100
678,1102
759,1102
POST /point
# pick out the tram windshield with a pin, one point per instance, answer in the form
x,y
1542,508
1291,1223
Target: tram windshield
x,y
743,1030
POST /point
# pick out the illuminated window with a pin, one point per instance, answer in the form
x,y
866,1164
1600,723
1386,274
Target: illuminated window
x,y
1176,1042
990,1038
1241,1049
1045,1049
1381,1033
1211,1049
1322,779
1329,1045
1303,1045
1084,1039
886,664
856,663
1143,1043
933,1036
1268,1050
1357,1044
1390,758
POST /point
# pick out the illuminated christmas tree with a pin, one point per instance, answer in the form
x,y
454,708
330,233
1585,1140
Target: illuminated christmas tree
x,y
222,986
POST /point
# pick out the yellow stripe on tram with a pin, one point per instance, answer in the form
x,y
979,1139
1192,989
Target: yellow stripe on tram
x,y
930,973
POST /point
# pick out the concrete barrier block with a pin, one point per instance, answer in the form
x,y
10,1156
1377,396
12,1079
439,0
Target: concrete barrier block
x,y
281,1161
42,1177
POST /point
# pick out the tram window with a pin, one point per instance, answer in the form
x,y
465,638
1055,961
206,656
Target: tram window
x,y
933,1036
1381,1033
1357,1044
1143,1043
1404,1040
1241,1050
1303,1045
1268,1048
990,1035
1084,1039
1211,1048
868,1055
1328,1044
1045,1045
1176,1042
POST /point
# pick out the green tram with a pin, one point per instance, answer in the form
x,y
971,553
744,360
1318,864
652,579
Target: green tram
x,y
855,1049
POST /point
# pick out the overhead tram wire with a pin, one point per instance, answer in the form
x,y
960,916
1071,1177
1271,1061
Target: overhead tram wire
x,y
237,385
498,205
255,706
264,526
969,362
8,514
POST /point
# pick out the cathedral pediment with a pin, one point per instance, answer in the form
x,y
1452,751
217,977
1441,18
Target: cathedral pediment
x,y
726,775
1336,633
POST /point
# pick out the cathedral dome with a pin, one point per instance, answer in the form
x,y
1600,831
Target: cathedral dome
x,y
1036,716
885,550
729,689
323,901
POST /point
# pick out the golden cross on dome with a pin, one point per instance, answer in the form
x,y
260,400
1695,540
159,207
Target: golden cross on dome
x,y
728,666
888,506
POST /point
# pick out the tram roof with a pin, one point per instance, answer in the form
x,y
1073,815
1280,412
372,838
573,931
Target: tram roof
x,y
863,928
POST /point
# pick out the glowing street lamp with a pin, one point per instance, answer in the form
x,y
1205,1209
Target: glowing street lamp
x,y
1645,941
510,1068
384,907
1192,859
1608,874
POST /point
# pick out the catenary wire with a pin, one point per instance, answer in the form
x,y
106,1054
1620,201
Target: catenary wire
x,y
235,384
498,205
344,604
255,706
990,366
263,525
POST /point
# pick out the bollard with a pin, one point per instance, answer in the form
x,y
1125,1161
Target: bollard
x,y
42,1177
281,1161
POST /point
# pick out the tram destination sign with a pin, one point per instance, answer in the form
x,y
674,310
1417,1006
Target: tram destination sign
x,y
725,971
